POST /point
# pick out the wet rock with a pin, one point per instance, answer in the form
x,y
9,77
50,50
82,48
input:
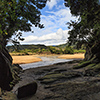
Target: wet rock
x,y
17,68
27,90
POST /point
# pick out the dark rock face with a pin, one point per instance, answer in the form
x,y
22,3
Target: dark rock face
x,y
27,90
17,68
5,73
93,52
5,64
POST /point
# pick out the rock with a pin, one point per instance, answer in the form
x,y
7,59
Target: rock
x,y
17,68
27,90
0,92
9,96
5,71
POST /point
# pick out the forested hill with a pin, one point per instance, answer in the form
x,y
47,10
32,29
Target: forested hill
x,y
23,47
42,49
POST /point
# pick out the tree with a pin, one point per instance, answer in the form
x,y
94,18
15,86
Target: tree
x,y
87,29
15,15
68,50
19,15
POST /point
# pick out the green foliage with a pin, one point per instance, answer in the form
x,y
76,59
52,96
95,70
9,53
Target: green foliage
x,y
54,50
79,51
42,49
68,50
19,15
86,30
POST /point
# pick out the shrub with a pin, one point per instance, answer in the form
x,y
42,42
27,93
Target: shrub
x,y
68,50
79,51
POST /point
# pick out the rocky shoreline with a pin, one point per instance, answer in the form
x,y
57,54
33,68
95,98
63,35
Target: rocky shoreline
x,y
61,81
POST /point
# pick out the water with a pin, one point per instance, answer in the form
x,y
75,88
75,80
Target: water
x,y
45,61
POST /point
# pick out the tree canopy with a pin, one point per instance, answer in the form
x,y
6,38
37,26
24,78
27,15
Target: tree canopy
x,y
87,29
19,15
15,15
88,25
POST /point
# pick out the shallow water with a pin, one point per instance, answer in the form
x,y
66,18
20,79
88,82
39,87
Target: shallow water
x,y
45,61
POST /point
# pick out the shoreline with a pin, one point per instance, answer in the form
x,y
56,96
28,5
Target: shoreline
x,y
35,58
53,79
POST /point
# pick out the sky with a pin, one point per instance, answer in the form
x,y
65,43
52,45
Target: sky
x,y
54,17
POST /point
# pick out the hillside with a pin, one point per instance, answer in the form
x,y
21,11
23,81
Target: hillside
x,y
23,47
42,49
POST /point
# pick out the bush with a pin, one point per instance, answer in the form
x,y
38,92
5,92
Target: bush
x,y
55,50
79,51
68,50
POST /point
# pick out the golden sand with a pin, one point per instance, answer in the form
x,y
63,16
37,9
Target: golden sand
x,y
35,58
25,59
72,56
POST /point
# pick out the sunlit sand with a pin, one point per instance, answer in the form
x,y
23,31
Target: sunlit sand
x,y
35,58
25,59
73,56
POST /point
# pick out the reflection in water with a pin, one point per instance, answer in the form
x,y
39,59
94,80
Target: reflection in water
x,y
45,61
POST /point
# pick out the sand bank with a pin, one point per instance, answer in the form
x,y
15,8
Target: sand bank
x,y
35,58
73,56
25,59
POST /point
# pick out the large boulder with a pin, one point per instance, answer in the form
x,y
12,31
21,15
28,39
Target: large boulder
x,y
27,90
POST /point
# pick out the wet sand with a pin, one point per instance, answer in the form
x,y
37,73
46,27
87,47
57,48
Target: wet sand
x,y
35,58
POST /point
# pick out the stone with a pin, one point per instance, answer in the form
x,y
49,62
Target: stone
x,y
9,96
0,92
5,71
27,90
17,68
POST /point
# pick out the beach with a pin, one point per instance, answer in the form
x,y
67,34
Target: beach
x,y
72,56
61,82
25,59
35,58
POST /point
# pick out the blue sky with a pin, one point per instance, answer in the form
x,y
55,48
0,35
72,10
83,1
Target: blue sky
x,y
54,17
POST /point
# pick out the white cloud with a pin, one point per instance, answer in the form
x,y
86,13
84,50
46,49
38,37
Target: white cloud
x,y
52,33
51,3
54,20
61,14
55,24
59,37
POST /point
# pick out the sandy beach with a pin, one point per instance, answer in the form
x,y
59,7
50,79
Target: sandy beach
x,y
72,56
25,59
35,58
